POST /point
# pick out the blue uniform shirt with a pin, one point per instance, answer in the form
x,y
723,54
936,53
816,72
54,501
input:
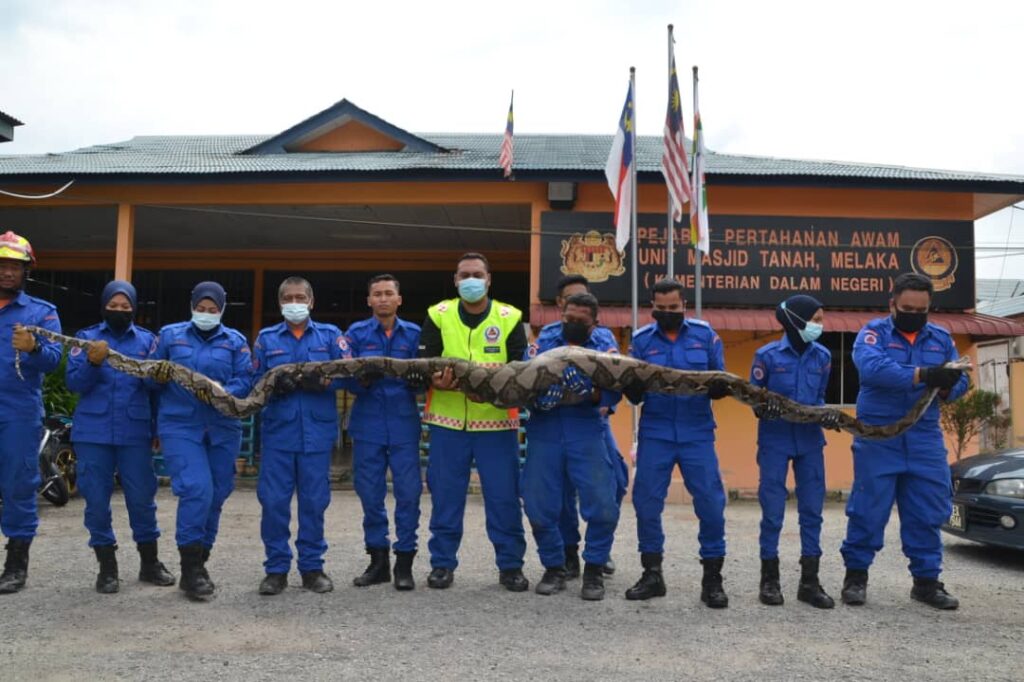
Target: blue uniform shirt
x,y
885,360
385,413
802,377
223,357
23,400
681,419
114,408
570,419
301,421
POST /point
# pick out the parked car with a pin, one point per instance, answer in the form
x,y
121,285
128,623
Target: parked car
x,y
988,499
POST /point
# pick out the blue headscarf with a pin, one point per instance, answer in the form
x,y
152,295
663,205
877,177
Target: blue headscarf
x,y
116,287
210,290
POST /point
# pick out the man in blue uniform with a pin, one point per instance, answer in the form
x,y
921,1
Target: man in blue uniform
x,y
21,403
899,357
114,429
678,431
797,367
298,430
198,442
569,522
569,442
385,427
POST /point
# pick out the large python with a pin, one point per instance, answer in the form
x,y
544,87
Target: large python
x,y
511,385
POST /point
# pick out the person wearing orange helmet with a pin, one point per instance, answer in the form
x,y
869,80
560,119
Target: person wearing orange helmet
x,y
21,403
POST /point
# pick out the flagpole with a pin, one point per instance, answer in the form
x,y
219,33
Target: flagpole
x,y
697,265
632,217
670,247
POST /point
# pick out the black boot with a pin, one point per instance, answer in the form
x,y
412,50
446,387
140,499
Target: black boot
x,y
15,567
593,582
151,569
441,578
194,582
771,590
552,582
202,566
810,590
106,580
513,580
651,583
933,593
379,570
711,591
403,570
855,587
317,581
572,562
273,584
609,567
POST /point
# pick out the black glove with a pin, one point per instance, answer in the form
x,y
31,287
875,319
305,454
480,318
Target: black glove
x,y
771,408
634,392
368,374
312,383
831,420
284,384
942,378
718,390
416,380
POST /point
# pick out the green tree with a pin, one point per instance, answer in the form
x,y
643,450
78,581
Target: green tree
x,y
964,419
57,397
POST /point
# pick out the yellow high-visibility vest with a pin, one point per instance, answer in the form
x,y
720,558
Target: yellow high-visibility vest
x,y
487,344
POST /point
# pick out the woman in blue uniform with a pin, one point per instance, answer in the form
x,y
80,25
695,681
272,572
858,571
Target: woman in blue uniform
x,y
114,428
797,367
199,443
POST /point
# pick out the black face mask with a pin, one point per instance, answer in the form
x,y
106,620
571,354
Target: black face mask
x,y
576,333
668,320
910,323
117,320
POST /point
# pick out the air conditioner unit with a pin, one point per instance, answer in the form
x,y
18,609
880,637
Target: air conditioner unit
x,y
1017,348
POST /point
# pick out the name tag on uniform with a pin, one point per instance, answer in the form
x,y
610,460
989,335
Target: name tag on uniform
x,y
492,349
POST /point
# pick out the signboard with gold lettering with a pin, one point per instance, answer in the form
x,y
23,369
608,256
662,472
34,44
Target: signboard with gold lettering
x,y
759,260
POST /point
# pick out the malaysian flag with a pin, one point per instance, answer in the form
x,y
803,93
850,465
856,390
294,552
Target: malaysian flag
x,y
673,160
505,158
699,228
619,170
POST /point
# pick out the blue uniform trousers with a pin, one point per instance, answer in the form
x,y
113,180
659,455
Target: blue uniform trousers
x,y
496,454
202,477
305,475
584,461
809,472
656,458
569,520
371,462
134,464
19,477
911,471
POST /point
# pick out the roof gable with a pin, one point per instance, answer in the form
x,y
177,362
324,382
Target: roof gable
x,y
343,127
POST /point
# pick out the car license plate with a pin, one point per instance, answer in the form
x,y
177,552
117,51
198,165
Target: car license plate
x,y
956,519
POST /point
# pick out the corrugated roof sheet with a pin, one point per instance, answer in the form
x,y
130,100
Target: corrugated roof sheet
x,y
763,320
213,154
990,290
1006,307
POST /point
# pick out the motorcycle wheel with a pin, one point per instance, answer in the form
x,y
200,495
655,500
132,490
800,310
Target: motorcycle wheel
x,y
55,488
67,465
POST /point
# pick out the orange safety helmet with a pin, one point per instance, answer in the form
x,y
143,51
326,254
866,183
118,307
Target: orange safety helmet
x,y
16,247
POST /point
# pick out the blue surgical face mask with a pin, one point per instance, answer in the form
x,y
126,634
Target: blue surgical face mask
x,y
472,289
205,321
296,313
811,332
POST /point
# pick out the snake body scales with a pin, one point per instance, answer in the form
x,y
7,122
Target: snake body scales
x,y
515,384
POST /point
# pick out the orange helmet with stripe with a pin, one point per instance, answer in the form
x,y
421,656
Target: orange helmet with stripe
x,y
16,247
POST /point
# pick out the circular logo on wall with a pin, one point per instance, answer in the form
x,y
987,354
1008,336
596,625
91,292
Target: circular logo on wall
x,y
935,258
492,334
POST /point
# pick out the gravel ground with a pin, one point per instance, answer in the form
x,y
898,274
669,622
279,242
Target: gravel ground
x,y
59,628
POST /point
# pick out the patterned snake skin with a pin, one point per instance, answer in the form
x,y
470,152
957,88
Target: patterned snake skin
x,y
511,385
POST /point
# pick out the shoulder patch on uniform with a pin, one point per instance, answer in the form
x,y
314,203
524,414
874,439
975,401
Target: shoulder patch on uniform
x,y
442,307
870,338
504,311
531,352
758,373
343,343
75,351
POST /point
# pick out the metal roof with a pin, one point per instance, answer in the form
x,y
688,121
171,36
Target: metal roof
x,y
535,155
990,290
1006,307
763,320
9,120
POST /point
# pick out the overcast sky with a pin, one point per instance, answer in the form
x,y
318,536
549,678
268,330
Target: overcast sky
x,y
932,84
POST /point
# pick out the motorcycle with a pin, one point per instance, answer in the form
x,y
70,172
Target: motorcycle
x,y
57,461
